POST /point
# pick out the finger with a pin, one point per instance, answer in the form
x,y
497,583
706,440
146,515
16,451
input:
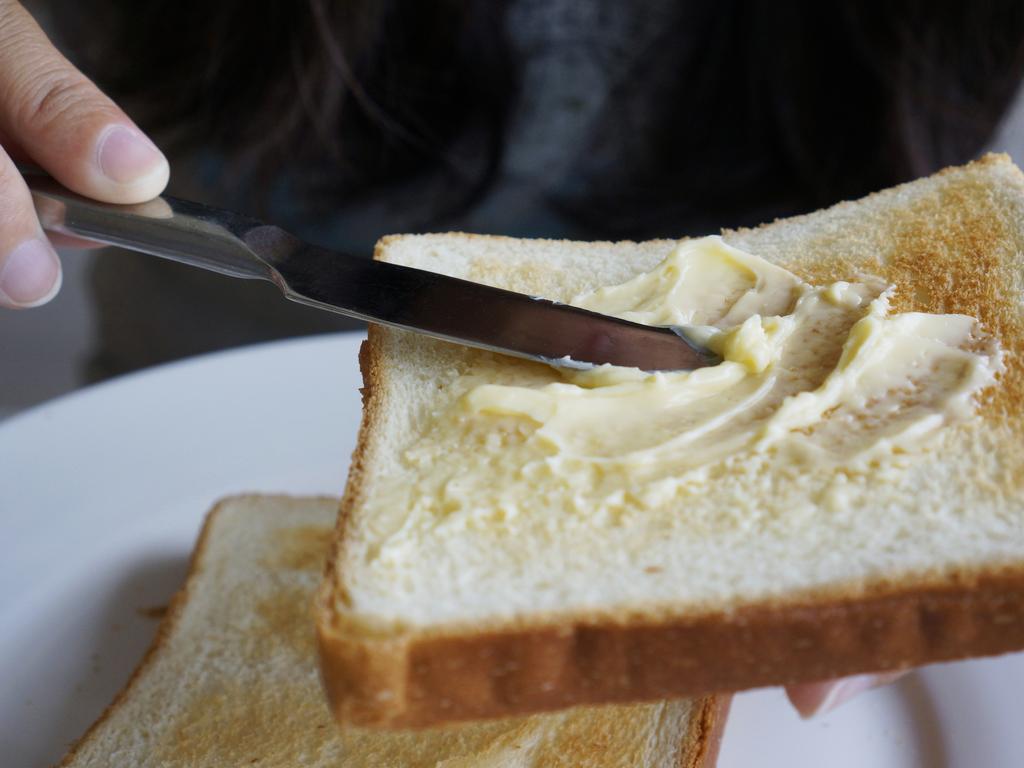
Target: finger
x,y
65,124
810,699
20,157
30,272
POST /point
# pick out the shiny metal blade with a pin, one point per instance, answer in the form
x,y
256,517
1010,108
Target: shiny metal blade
x,y
474,314
437,305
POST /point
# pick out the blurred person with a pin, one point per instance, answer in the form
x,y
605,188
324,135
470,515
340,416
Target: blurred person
x,y
342,121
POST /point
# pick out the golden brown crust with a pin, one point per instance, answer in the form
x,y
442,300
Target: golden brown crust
x,y
447,678
707,727
418,679
355,488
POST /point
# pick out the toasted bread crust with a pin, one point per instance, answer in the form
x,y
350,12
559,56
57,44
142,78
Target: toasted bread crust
x,y
409,679
707,729
355,488
500,672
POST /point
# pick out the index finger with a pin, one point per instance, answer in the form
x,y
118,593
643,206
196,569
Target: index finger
x,y
60,119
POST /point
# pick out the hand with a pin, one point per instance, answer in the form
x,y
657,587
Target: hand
x,y
52,116
812,699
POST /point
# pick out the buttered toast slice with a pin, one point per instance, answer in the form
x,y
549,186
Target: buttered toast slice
x,y
516,539
232,680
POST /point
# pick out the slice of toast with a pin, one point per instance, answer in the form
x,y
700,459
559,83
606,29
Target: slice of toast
x,y
530,609
232,678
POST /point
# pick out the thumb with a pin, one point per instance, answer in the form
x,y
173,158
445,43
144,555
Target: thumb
x,y
810,699
60,119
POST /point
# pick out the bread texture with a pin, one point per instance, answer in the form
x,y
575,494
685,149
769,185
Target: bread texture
x,y
744,596
232,679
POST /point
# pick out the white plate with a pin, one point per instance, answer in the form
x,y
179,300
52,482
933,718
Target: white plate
x,y
102,494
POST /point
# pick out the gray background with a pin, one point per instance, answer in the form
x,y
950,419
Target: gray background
x,y
42,351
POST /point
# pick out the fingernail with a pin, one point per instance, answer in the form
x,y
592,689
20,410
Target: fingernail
x,y
126,155
841,692
30,275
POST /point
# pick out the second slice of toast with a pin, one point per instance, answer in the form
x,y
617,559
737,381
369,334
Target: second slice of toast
x,y
231,679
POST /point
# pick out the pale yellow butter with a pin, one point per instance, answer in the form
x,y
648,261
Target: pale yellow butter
x,y
812,376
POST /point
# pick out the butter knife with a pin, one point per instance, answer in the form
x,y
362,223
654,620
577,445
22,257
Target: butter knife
x,y
437,305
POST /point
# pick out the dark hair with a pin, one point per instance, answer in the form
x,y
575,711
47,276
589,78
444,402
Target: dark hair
x,y
362,94
773,107
784,107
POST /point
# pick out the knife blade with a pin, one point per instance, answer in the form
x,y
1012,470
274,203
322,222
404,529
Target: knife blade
x,y
434,304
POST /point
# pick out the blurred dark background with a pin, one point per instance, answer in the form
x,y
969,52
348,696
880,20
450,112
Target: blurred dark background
x,y
343,121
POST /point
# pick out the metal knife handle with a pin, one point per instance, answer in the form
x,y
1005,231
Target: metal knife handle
x,y
165,226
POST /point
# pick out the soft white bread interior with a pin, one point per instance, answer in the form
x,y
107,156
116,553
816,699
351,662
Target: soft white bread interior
x,y
758,580
232,678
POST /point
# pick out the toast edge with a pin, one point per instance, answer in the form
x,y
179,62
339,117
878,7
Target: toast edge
x,y
415,680
167,624
707,729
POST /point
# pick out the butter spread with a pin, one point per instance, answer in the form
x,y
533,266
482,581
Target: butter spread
x,y
812,377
